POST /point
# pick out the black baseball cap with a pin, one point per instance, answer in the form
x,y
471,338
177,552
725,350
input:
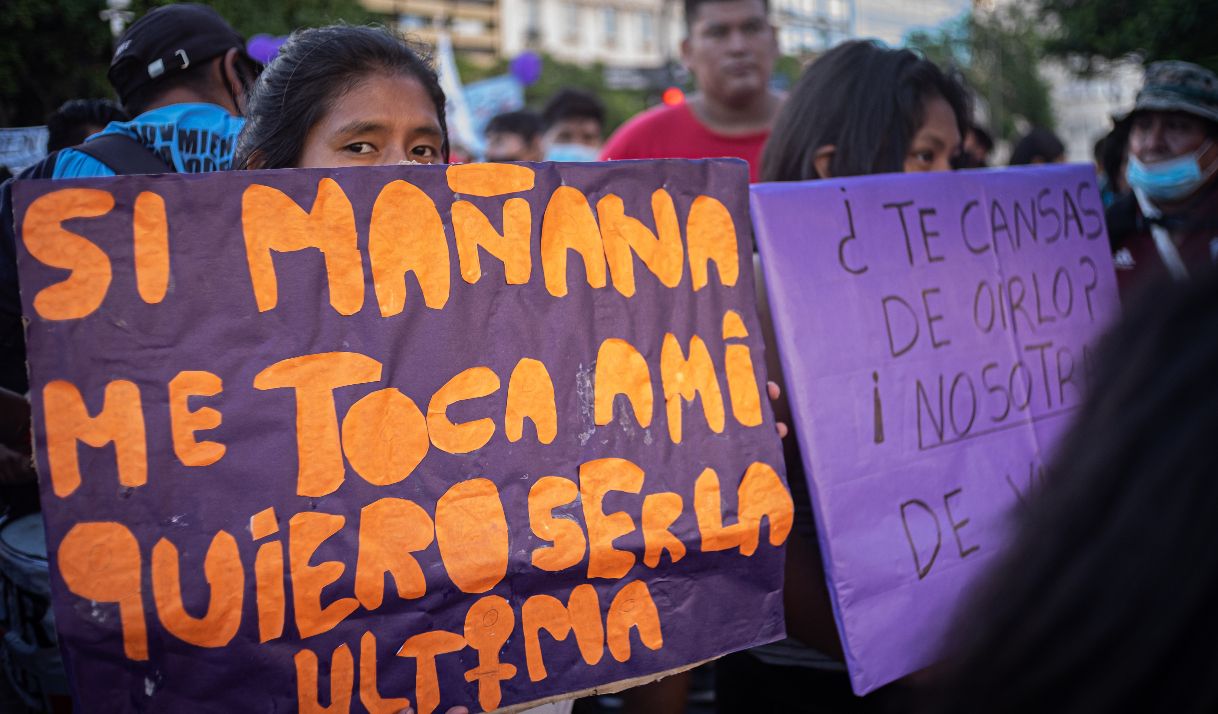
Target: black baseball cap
x,y
166,41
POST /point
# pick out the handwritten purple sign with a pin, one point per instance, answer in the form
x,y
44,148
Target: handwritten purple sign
x,y
370,438
935,335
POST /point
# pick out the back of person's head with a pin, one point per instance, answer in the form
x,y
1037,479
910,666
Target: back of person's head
x,y
1111,151
692,7
981,136
77,119
1104,599
865,100
1038,146
523,123
514,136
568,103
173,47
313,70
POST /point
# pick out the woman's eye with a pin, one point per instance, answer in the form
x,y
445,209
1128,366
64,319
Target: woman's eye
x,y
359,147
926,157
428,153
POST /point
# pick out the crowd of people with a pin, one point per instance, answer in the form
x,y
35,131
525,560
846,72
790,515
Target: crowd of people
x,y
1110,570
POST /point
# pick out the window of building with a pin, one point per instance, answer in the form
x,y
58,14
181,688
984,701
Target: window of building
x,y
647,31
571,12
609,22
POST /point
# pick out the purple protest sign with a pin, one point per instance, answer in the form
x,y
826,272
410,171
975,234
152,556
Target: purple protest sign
x,y
359,439
935,333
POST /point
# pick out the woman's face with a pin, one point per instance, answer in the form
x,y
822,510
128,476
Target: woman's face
x,y
385,119
937,140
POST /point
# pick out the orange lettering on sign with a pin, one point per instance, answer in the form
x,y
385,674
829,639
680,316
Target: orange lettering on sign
x,y
683,379
582,614
51,244
369,696
471,383
632,607
712,237
741,379
425,648
597,478
101,562
488,180
660,511
120,421
621,234
548,493
488,625
315,377
308,530
473,230
762,494
273,221
384,437
530,396
268,576
151,229
184,422
406,235
225,578
569,225
472,533
620,369
389,531
342,680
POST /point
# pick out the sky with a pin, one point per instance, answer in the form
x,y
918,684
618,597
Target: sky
x,y
891,20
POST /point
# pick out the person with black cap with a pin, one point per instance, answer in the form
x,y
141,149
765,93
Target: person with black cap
x,y
182,72
1168,225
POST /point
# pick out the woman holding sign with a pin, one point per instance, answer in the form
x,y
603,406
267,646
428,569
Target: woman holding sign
x,y
860,109
344,96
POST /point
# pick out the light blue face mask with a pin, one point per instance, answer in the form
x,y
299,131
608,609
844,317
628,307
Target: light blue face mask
x,y
571,152
1169,180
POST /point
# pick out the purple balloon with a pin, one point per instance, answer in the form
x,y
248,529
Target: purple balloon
x,y
526,67
264,47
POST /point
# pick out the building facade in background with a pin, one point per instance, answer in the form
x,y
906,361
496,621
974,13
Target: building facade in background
x,y
473,25
1084,105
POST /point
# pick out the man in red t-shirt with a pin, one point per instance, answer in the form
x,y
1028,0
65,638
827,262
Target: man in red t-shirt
x,y
730,49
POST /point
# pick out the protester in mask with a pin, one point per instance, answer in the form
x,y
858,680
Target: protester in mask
x,y
573,125
344,96
1170,222
78,119
181,71
514,136
1103,600
911,119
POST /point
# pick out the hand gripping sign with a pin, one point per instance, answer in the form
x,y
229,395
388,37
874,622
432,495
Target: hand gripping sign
x,y
935,333
362,439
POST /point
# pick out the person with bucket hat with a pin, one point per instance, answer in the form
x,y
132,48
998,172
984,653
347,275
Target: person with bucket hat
x,y
1169,223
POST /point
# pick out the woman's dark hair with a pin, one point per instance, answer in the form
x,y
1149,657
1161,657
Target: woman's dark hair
x,y
1104,600
313,70
1040,143
864,99
71,122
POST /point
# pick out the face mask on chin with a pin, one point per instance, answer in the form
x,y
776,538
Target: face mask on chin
x,y
1171,179
571,152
